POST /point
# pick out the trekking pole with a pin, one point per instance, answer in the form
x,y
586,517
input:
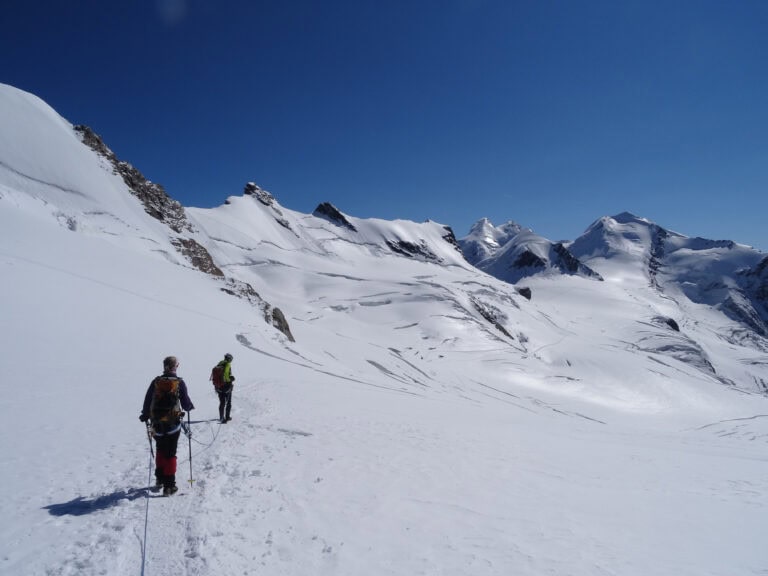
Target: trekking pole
x,y
189,436
149,437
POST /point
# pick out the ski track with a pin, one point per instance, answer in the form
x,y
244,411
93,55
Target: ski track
x,y
238,518
202,529
180,538
187,541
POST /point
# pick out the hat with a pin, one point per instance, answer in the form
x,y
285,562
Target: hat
x,y
228,357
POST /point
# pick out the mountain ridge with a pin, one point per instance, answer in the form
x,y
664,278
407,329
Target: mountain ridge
x,y
252,244
405,413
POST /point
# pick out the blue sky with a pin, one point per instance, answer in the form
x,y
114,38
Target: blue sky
x,y
551,114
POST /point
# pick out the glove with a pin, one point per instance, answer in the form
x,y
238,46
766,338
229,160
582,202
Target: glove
x,y
143,418
232,379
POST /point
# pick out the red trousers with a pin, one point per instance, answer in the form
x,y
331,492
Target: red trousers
x,y
165,460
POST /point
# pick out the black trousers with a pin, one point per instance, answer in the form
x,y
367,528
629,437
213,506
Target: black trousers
x,y
225,403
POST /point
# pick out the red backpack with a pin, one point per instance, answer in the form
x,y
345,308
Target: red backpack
x,y
217,377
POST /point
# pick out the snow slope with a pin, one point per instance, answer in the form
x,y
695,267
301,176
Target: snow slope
x,y
428,419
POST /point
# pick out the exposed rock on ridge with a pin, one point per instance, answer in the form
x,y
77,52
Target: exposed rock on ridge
x,y
156,201
492,315
197,255
450,237
411,250
569,264
251,189
159,205
329,212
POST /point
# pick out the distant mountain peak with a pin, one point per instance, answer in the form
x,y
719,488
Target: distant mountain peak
x,y
511,252
482,227
485,239
252,189
628,217
329,212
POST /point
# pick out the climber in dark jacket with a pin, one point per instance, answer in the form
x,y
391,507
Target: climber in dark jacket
x,y
163,403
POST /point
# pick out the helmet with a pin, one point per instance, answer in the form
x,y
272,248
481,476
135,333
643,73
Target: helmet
x,y
228,357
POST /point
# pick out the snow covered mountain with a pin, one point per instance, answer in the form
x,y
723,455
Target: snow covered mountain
x,y
727,276
722,274
512,253
397,409
485,239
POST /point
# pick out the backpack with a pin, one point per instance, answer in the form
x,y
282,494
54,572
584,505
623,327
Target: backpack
x,y
217,376
165,406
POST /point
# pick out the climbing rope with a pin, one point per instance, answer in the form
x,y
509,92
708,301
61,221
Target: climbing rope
x,y
206,446
146,511
214,434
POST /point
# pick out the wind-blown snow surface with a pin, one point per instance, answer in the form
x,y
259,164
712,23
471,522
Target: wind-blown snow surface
x,y
402,433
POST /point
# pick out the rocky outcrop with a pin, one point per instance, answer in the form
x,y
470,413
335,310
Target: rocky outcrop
x,y
525,292
329,212
741,310
528,259
159,205
261,195
758,282
749,305
251,189
450,237
421,250
760,288
411,250
272,315
492,315
156,201
242,290
668,322
569,264
656,256
197,255
277,319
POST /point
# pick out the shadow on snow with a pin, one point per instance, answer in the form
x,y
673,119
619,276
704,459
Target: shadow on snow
x,y
82,505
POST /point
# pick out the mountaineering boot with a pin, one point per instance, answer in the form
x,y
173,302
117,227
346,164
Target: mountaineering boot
x,y
170,490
